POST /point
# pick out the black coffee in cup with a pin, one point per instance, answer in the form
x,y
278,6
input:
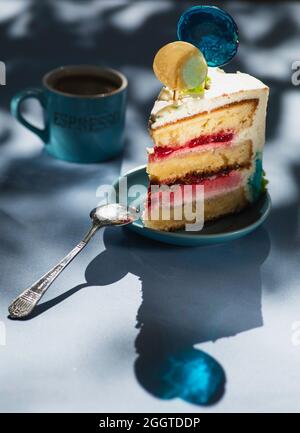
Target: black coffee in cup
x,y
83,84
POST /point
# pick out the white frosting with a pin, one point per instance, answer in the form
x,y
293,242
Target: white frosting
x,y
225,88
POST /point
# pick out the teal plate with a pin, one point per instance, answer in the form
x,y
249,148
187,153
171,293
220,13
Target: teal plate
x,y
223,230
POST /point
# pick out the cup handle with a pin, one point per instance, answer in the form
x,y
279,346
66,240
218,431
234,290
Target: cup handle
x,y
16,104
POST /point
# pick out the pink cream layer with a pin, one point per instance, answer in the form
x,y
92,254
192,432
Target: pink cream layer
x,y
203,142
214,185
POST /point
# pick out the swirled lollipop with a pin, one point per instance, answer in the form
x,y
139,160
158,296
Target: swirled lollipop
x,y
212,30
180,66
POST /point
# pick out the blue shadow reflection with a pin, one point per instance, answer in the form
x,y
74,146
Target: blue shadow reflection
x,y
189,296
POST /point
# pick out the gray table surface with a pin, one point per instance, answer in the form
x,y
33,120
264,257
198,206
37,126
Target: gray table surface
x,y
88,347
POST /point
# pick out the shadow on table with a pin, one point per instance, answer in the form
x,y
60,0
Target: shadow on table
x,y
42,174
189,296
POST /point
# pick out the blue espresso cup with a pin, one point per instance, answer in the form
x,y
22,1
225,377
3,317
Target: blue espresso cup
x,y
84,112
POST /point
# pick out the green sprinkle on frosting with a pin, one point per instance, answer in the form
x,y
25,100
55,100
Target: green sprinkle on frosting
x,y
207,83
198,91
264,182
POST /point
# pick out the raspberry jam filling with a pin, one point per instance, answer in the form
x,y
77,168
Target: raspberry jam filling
x,y
213,184
223,137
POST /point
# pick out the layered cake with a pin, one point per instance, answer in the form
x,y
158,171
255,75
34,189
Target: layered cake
x,y
215,140
212,137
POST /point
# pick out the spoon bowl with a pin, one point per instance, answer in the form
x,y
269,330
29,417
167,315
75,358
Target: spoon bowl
x,y
114,214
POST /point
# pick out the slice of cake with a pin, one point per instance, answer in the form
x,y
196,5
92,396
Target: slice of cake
x,y
214,139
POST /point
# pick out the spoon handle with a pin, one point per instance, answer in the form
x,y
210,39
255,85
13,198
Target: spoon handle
x,y
23,305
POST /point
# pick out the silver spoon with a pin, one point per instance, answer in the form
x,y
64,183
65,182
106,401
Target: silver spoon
x,y
102,216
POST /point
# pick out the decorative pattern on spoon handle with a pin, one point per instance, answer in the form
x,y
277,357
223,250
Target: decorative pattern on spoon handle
x,y
23,305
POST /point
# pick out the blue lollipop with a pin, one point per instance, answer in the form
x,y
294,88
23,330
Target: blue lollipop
x,y
212,30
